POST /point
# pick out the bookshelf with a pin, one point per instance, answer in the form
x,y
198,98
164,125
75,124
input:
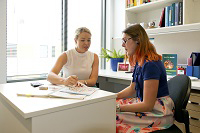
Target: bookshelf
x,y
151,6
180,39
174,29
152,11
184,37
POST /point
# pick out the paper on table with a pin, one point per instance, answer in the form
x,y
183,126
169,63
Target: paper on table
x,y
84,90
53,91
59,94
193,78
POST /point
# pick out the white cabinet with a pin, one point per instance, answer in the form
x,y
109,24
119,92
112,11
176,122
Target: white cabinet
x,y
152,11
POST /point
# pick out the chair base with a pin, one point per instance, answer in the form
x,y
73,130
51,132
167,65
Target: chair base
x,y
172,129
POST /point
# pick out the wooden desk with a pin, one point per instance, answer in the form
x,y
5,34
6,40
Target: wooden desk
x,y
96,113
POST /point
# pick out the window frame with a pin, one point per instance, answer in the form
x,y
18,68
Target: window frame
x,y
43,76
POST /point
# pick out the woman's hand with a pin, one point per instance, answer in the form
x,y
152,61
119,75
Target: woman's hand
x,y
80,84
71,80
117,97
118,107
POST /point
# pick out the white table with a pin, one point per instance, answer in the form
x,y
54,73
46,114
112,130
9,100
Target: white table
x,y
96,113
125,79
116,75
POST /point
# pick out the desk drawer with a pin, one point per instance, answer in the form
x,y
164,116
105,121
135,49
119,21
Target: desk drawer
x,y
194,114
194,107
194,98
194,111
194,129
194,122
195,92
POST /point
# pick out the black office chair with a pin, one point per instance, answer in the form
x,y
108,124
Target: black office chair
x,y
179,91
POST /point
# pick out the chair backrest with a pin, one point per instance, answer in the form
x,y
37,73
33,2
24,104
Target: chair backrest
x,y
179,91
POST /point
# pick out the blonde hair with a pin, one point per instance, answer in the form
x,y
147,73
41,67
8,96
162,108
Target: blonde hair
x,y
81,30
145,49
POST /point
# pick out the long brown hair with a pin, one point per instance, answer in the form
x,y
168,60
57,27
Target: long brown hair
x,y
145,49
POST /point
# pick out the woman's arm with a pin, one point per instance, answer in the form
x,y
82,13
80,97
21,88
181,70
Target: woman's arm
x,y
94,74
128,91
53,76
149,98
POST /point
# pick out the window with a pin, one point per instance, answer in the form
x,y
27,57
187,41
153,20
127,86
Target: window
x,y
33,32
87,13
43,51
11,50
53,54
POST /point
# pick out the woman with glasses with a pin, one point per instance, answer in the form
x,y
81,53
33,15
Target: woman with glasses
x,y
79,65
152,108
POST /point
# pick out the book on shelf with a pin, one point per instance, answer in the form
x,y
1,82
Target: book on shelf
x,y
170,15
167,8
170,63
162,18
131,3
127,4
135,2
176,13
180,11
139,2
173,14
59,92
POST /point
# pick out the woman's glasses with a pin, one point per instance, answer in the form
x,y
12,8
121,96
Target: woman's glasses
x,y
125,41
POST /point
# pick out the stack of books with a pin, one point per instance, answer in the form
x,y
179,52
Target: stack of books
x,y
172,15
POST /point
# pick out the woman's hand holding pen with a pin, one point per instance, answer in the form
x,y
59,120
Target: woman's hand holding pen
x,y
80,84
71,80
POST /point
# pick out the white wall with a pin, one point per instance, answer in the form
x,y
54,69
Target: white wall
x,y
181,44
3,41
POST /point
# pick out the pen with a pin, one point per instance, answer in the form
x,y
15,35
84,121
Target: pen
x,y
26,95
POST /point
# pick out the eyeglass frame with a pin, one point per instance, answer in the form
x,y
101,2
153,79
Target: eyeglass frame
x,y
125,41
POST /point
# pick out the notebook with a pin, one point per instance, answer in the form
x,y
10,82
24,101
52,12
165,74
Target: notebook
x,y
70,92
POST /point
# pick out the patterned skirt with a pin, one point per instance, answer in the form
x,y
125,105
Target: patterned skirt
x,y
161,117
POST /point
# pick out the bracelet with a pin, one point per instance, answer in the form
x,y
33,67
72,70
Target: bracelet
x,y
118,108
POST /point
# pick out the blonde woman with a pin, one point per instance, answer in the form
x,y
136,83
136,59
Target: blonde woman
x,y
79,65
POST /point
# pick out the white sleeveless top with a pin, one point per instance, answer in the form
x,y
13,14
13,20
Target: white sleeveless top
x,y
79,64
